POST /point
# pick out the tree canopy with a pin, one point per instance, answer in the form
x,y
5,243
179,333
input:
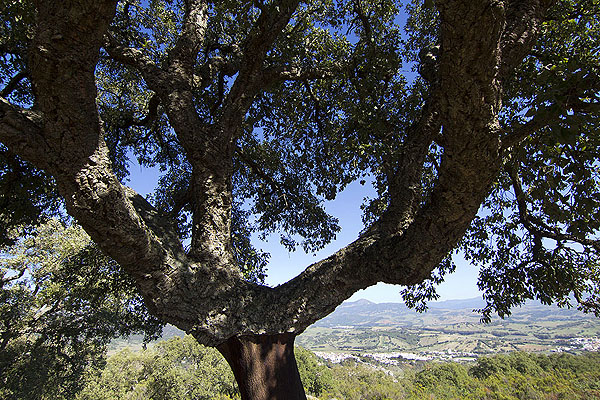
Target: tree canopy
x,y
507,376
258,112
61,302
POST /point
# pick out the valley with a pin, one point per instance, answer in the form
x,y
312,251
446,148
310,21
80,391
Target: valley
x,y
450,330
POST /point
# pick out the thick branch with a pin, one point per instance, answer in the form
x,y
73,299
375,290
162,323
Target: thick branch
x,y
524,19
210,148
22,131
152,112
215,66
181,199
405,180
148,119
178,97
191,38
205,147
155,78
260,39
69,144
468,109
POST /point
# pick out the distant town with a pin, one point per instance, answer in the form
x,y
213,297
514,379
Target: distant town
x,y
395,358
391,334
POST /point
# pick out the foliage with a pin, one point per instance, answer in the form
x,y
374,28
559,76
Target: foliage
x,y
515,376
353,380
536,236
447,380
179,369
503,364
61,302
522,375
27,197
316,377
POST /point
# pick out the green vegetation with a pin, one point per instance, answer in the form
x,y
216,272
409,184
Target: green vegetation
x,y
61,303
474,122
369,327
179,368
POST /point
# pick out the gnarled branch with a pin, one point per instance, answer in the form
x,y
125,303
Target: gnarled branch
x,y
524,19
22,131
154,76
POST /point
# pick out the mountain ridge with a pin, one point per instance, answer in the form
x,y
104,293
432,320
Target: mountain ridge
x,y
365,313
450,326
452,304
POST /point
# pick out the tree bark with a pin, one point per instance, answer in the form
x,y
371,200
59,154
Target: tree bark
x,y
264,366
254,326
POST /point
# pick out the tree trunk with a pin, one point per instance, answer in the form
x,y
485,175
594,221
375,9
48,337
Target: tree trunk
x,y
264,366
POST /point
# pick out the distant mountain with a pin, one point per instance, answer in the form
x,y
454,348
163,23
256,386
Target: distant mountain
x,y
462,304
364,313
364,326
450,326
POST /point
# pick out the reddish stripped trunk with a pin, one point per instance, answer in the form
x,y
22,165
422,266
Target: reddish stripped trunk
x,y
264,366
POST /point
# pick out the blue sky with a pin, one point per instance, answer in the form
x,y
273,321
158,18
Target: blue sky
x,y
283,265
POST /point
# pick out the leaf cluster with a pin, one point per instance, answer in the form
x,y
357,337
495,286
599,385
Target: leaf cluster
x,y
537,234
61,302
179,368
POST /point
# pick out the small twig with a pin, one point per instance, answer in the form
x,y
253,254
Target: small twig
x,y
152,112
13,83
535,226
364,20
318,110
275,186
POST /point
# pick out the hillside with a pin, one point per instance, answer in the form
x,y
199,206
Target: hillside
x,y
450,326
449,330
364,313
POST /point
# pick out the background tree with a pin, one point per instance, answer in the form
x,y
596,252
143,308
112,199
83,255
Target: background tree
x,y
258,111
62,301
179,368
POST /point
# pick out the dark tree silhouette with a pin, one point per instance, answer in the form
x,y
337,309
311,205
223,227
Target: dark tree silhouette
x,y
258,111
